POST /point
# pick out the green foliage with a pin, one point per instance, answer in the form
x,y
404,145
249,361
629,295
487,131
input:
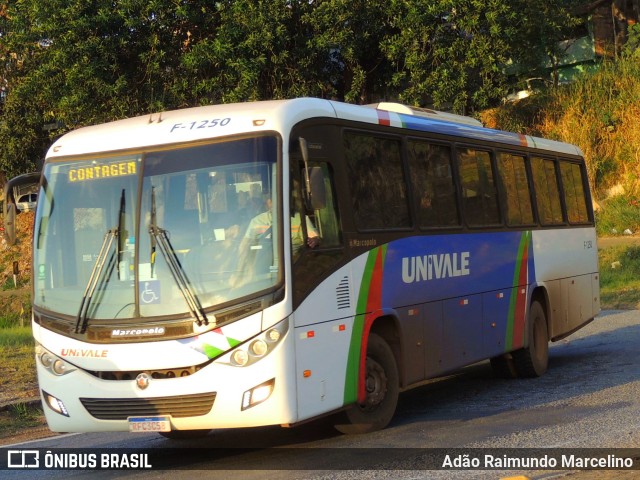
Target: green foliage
x,y
540,43
632,47
16,337
620,277
618,214
452,54
70,63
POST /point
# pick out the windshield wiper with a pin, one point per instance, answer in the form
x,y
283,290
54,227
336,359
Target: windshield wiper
x,y
160,239
94,279
97,278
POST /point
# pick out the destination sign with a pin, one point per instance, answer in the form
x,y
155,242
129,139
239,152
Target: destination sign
x,y
97,172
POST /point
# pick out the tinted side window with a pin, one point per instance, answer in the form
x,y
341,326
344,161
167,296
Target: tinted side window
x,y
547,193
479,196
513,180
574,196
378,190
433,186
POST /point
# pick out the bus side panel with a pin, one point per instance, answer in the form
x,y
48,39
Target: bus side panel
x,y
322,354
577,304
462,331
414,324
434,344
503,321
566,263
327,350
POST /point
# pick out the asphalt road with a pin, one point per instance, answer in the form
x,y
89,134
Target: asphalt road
x,y
589,398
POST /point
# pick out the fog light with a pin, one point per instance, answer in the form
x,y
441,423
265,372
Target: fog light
x,y
55,404
258,394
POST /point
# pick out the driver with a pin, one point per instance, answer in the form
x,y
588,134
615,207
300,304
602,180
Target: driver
x,y
261,223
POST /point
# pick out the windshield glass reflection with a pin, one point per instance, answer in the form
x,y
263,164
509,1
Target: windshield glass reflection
x,y
203,203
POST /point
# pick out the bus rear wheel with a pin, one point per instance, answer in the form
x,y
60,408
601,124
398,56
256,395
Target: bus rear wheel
x,y
382,387
532,361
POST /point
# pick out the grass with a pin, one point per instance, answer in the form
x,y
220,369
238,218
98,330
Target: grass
x,y
617,214
620,277
19,417
18,380
17,354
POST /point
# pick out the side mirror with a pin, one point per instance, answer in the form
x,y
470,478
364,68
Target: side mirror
x,y
314,192
318,191
10,223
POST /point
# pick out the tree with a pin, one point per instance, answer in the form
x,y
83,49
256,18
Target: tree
x,y
451,52
75,63
542,45
259,50
69,63
350,36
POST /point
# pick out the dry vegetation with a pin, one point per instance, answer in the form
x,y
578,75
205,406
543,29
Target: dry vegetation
x,y
15,298
600,113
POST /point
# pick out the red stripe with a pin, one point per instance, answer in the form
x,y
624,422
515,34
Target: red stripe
x,y
523,140
374,304
384,118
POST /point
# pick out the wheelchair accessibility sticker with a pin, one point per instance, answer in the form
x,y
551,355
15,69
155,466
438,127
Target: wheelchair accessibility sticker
x,y
149,291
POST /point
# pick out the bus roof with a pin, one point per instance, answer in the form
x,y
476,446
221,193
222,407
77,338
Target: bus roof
x,y
200,123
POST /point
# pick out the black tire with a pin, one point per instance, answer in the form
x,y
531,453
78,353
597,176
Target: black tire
x,y
503,366
532,361
185,434
383,388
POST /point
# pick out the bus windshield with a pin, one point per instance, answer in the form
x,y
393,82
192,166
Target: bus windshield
x,y
158,233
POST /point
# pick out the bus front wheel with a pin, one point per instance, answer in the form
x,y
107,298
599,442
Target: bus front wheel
x,y
532,360
382,387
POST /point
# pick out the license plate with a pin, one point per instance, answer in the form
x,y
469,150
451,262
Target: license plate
x,y
149,424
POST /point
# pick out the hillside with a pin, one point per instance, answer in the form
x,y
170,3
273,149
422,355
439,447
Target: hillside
x,y
600,113
15,301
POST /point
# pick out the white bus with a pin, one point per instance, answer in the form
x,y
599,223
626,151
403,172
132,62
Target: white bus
x,y
177,288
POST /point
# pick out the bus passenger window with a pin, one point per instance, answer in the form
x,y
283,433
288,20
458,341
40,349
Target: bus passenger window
x,y
574,196
479,196
545,181
433,186
378,188
513,181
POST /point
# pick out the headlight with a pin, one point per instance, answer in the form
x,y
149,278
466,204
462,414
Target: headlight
x,y
59,367
257,347
47,360
52,363
240,357
273,335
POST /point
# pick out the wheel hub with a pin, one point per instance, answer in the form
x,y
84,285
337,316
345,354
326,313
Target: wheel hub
x,y
375,384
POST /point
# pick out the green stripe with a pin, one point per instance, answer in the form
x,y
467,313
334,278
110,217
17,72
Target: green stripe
x,y
353,360
211,351
524,245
